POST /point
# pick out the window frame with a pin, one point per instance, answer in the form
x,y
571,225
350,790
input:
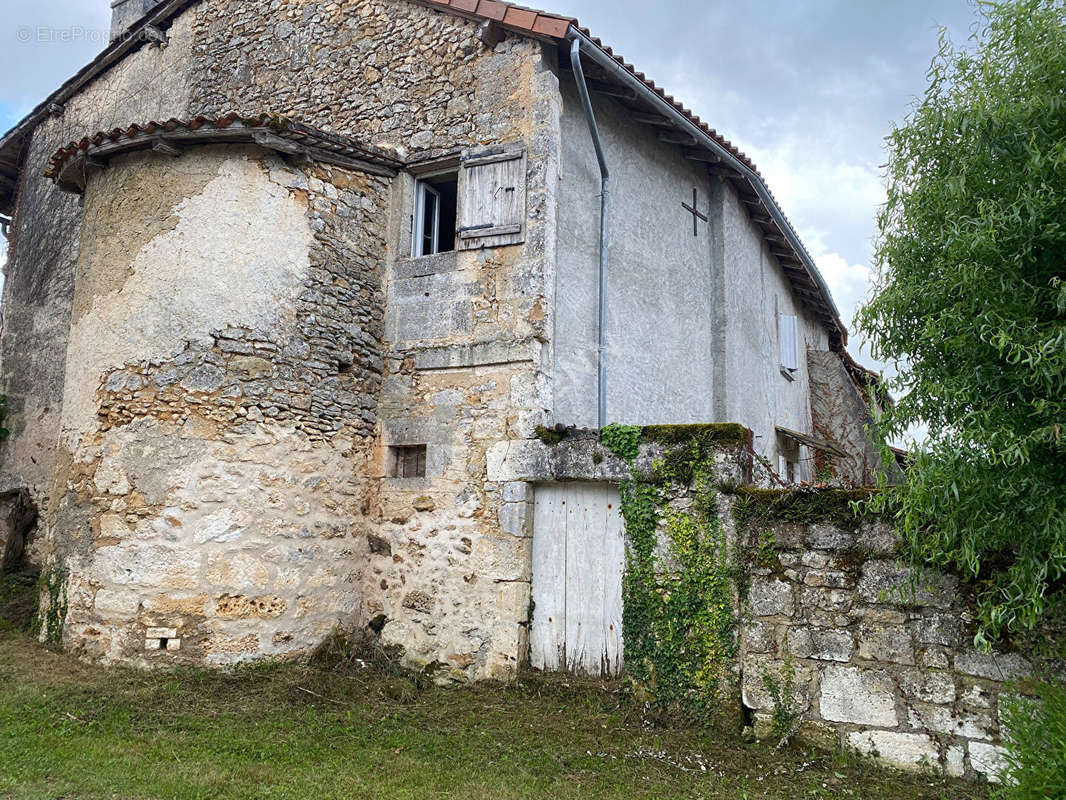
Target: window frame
x,y
788,330
422,188
424,179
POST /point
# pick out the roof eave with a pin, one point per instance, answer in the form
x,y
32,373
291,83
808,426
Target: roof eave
x,y
611,64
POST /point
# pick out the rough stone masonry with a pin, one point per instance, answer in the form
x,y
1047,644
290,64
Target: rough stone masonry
x,y
881,664
205,382
219,340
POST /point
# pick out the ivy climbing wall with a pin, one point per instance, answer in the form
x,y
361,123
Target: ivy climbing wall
x,y
787,610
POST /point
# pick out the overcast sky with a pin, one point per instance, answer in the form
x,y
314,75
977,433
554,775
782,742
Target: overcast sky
x,y
808,88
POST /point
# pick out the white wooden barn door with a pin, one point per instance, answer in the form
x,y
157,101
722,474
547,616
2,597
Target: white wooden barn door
x,y
578,561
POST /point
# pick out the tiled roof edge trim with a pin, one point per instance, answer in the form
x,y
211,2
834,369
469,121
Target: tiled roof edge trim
x,y
132,40
198,130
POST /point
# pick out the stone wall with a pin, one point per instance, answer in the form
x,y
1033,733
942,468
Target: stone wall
x,y
877,667
465,333
252,429
214,482
152,83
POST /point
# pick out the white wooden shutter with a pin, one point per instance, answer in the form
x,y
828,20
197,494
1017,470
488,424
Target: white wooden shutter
x,y
787,333
492,198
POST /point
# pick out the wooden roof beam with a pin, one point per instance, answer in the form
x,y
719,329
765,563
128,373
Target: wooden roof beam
x,y
610,90
677,138
653,119
706,156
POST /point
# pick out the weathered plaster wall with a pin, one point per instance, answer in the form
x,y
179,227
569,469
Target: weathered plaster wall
x,y
660,318
692,321
223,364
876,668
153,83
173,248
755,290
448,566
257,387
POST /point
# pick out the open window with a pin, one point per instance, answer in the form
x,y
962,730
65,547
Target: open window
x,y
483,204
436,206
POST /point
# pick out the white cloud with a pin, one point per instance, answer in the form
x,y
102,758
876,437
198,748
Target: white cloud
x,y
849,283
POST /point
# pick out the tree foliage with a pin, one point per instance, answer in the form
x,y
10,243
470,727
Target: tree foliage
x,y
970,304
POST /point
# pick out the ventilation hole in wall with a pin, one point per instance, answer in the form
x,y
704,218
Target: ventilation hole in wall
x,y
344,367
407,461
163,643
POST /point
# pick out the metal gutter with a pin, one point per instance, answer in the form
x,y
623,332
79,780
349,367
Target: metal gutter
x,y
605,182
631,81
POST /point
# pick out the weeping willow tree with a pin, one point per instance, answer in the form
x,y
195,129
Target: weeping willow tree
x,y
970,304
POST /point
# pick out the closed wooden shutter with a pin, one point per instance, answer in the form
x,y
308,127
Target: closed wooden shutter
x,y
492,198
787,331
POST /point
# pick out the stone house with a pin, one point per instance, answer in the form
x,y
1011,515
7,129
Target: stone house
x,y
292,285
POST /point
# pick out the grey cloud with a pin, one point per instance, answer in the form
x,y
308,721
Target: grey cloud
x,y
44,42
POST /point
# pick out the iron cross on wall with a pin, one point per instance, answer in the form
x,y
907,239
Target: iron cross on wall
x,y
694,211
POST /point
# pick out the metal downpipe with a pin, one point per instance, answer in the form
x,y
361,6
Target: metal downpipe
x,y
619,72
605,181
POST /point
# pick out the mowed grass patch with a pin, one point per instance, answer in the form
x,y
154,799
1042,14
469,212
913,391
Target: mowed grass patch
x,y
71,730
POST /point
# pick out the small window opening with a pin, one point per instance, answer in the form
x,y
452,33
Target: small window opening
x,y
163,643
436,203
407,461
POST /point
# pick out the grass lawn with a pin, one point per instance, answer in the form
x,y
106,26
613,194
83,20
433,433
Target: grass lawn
x,y
70,730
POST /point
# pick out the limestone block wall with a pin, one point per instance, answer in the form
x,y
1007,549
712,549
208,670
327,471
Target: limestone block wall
x,y
823,608
877,668
221,378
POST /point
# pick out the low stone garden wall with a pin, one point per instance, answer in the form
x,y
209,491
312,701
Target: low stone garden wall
x,y
877,661
789,606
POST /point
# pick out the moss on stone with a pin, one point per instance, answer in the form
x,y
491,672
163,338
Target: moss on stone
x,y
721,433
551,436
801,505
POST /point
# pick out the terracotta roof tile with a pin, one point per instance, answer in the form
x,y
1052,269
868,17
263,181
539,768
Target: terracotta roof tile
x,y
520,18
551,26
490,9
139,136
